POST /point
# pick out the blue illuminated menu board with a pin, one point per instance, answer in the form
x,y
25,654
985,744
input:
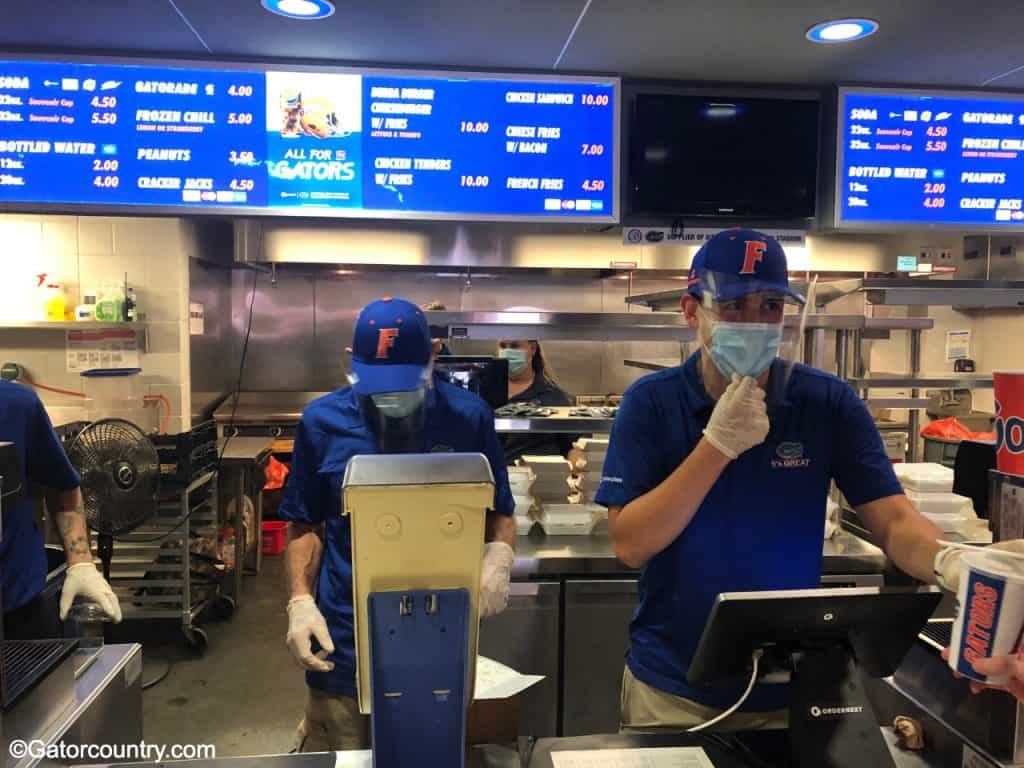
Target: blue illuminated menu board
x,y
332,143
920,158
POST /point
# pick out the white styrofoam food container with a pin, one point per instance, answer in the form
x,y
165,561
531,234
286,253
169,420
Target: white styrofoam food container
x,y
925,477
941,503
520,479
568,519
523,504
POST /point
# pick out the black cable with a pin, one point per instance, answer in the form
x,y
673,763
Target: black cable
x,y
241,369
147,684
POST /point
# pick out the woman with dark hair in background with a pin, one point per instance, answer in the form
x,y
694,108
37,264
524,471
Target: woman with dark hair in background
x,y
530,380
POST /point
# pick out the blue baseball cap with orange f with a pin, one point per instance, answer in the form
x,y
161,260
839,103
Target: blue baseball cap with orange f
x,y
391,348
736,262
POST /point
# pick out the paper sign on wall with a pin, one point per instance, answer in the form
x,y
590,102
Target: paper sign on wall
x,y
196,319
101,349
958,345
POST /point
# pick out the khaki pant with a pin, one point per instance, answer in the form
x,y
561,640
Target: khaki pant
x,y
332,723
648,709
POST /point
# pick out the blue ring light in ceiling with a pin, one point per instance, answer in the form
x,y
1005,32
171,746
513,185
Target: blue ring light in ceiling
x,y
841,31
306,10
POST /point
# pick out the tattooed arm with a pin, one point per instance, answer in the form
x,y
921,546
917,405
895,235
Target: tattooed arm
x,y
66,508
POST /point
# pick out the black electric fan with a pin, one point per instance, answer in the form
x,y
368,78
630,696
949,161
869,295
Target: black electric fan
x,y
120,472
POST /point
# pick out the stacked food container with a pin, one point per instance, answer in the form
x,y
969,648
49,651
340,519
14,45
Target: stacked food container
x,y
929,487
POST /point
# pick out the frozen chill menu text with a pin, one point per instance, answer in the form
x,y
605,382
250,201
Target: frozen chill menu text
x,y
126,135
923,159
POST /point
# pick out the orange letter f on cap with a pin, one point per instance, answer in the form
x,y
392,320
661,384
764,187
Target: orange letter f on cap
x,y
753,255
385,341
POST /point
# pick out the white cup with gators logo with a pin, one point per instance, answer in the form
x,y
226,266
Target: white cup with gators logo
x,y
990,614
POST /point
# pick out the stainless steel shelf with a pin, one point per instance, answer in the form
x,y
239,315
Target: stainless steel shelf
x,y
625,326
825,293
564,326
887,381
558,423
897,402
651,365
44,325
980,294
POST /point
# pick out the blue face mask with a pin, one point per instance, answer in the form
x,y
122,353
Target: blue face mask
x,y
516,360
746,349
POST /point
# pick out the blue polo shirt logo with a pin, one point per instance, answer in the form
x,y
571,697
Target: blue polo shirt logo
x,y
790,456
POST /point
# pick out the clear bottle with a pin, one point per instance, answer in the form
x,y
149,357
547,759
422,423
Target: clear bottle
x,y
131,307
86,311
110,303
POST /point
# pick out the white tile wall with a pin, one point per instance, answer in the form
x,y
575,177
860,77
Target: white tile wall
x,y
81,252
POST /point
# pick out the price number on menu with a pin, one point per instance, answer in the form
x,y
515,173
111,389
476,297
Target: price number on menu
x,y
593,185
935,146
106,182
474,181
244,157
935,202
592,150
935,187
239,90
595,100
937,131
108,165
468,126
103,102
103,118
242,185
239,118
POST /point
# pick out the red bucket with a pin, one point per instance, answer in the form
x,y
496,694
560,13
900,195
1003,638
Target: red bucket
x,y
1009,386
274,533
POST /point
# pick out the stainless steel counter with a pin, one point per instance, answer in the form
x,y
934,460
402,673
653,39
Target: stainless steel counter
x,y
539,556
107,707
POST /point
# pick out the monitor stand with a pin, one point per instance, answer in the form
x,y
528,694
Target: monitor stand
x,y
418,654
831,721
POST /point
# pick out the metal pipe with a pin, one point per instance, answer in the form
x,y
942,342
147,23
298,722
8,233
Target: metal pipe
x,y
842,353
915,414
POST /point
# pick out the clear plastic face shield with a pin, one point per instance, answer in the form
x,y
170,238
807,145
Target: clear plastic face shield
x,y
397,419
745,331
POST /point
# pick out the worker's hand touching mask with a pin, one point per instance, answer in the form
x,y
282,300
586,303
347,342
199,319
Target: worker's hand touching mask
x,y
740,419
495,576
83,580
304,623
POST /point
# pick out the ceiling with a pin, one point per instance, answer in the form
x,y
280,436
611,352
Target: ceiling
x,y
758,41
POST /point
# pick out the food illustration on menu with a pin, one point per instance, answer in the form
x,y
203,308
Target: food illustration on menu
x,y
922,159
314,139
122,135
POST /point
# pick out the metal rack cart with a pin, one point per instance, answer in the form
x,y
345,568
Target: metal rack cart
x,y
159,572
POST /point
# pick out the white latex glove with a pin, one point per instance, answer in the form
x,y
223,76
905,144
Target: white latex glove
x,y
495,576
947,562
83,579
304,623
740,419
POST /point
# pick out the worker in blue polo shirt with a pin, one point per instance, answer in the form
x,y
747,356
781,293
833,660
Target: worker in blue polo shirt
x,y
394,405
716,480
27,615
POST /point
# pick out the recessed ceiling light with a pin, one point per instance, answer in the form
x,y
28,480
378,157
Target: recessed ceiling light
x,y
841,30
300,9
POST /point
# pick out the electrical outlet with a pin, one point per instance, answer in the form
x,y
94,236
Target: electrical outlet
x,y
11,372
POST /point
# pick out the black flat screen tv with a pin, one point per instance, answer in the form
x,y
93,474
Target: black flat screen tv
x,y
698,156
